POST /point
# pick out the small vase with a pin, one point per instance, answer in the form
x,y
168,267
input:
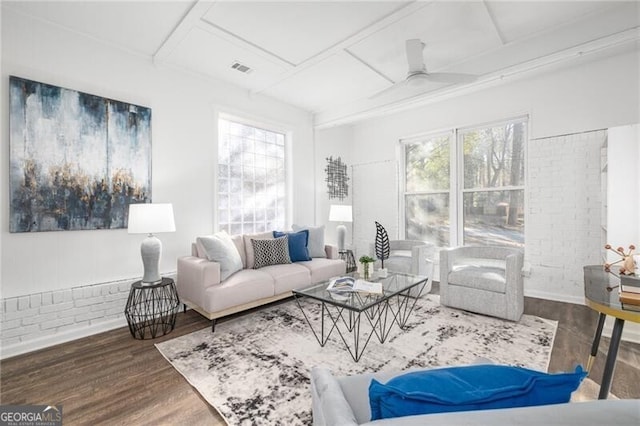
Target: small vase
x,y
366,270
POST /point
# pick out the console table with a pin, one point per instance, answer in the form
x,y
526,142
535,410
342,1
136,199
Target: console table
x,y
152,308
601,295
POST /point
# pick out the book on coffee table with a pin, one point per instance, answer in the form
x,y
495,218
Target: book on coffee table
x,y
350,284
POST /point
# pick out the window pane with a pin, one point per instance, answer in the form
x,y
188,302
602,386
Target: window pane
x,y
494,156
427,218
254,194
427,164
494,218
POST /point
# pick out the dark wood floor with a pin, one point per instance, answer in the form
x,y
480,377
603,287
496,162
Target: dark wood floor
x,y
111,378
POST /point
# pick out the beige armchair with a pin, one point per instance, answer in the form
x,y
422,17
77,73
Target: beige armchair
x,y
484,280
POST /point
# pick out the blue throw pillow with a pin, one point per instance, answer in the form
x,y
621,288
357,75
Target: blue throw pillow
x,y
298,242
473,387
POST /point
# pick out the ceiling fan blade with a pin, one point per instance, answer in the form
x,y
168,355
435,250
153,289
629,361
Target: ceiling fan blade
x,y
415,58
451,77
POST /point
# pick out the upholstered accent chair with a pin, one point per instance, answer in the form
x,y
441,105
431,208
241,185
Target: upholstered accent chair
x,y
410,257
483,279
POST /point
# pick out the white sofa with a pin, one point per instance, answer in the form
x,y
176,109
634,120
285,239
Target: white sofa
x,y
200,287
344,401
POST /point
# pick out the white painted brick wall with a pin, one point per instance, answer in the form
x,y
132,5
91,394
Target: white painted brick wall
x,y
563,218
38,320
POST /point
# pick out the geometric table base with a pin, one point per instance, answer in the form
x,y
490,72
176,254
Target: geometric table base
x,y
151,309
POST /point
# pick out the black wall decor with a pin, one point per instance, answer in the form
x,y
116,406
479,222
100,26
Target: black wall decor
x,y
383,248
337,179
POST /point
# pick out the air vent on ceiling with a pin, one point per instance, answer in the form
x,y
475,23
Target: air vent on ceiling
x,y
240,67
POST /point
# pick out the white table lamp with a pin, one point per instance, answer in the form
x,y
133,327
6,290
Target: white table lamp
x,y
150,219
340,213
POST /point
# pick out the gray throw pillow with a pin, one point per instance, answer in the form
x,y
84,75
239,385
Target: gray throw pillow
x,y
271,252
220,248
316,239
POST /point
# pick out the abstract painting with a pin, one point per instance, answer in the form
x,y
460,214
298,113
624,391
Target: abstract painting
x,y
76,160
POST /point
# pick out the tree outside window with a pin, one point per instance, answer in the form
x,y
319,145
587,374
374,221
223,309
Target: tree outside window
x,y
480,189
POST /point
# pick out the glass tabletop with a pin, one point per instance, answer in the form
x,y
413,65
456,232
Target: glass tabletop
x,y
601,290
392,285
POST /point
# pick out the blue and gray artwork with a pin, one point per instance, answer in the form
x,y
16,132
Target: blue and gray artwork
x,y
76,160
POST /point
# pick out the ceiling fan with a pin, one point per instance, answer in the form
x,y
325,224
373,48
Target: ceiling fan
x,y
417,75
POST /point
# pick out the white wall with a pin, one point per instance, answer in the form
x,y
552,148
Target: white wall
x,y
2,158
184,108
623,190
334,142
592,94
623,199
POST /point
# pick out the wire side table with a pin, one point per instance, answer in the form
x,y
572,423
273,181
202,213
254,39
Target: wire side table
x,y
152,308
347,256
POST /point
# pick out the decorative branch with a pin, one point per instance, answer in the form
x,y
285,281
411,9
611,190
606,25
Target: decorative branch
x,y
382,243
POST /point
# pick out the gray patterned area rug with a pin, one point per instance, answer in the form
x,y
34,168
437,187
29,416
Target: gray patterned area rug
x,y
255,368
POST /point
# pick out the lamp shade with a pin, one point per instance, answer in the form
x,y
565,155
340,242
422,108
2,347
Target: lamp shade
x,y
340,213
151,218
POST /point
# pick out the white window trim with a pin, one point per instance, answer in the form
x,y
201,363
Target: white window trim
x,y
264,125
456,178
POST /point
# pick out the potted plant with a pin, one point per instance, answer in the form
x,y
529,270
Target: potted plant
x,y
366,260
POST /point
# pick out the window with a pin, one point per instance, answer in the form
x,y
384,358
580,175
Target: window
x,y
252,189
466,187
427,189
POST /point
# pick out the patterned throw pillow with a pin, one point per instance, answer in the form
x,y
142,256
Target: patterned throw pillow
x,y
271,252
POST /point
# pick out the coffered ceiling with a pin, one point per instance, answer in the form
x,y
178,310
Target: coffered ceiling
x,y
338,59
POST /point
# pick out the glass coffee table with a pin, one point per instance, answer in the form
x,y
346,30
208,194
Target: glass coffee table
x,y
356,316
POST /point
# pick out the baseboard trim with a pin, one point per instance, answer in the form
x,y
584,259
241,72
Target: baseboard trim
x,y
58,338
630,332
576,300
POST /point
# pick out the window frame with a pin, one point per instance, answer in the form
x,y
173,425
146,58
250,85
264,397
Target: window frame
x,y
261,125
456,175
403,180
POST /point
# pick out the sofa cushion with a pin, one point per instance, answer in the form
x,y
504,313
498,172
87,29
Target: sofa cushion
x,y
287,277
323,269
238,240
316,239
271,252
220,248
248,247
479,277
245,286
475,387
298,242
